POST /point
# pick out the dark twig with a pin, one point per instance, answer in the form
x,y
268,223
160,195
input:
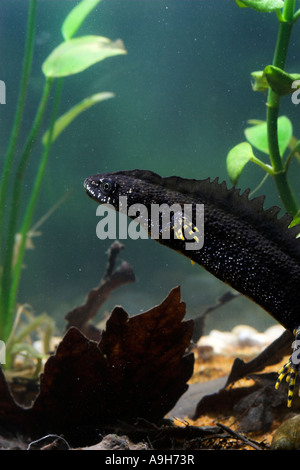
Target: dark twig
x,y
240,437
113,253
112,279
166,429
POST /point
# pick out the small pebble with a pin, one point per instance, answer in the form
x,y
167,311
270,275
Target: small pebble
x,y
287,435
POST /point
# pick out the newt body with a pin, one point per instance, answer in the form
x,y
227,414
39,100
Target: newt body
x,y
249,248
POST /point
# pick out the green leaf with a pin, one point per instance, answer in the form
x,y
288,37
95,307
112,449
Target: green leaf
x,y
280,81
76,17
263,6
240,4
260,82
78,54
236,160
257,135
63,121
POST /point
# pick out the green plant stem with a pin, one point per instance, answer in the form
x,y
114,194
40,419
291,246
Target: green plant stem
x,y
15,339
19,113
28,218
273,105
15,204
267,168
26,330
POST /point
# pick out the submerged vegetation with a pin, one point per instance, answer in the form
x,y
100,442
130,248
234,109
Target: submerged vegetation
x,y
274,136
72,56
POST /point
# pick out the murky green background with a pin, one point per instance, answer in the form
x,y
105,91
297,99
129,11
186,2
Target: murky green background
x,y
183,96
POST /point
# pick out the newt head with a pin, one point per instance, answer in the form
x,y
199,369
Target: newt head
x,y
106,188
144,197
101,189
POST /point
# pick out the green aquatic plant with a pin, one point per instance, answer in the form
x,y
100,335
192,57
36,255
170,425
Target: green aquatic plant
x,y
274,136
72,56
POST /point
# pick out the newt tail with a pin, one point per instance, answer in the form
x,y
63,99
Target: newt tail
x,y
244,245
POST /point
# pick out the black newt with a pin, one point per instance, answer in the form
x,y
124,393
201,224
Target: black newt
x,y
246,246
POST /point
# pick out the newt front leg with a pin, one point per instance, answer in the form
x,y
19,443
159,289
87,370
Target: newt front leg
x,y
291,368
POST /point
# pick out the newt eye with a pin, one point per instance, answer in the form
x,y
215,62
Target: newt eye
x,y
106,187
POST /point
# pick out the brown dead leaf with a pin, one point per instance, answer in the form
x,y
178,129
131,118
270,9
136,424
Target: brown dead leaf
x,y
139,369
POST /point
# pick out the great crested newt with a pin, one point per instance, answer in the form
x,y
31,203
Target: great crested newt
x,y
246,246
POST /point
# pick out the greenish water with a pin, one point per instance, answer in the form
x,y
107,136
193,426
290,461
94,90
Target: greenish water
x,y
183,96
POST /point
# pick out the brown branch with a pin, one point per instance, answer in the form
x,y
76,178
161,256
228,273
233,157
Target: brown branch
x,y
80,316
240,437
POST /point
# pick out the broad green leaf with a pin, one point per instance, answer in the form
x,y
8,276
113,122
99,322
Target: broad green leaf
x,y
280,81
63,121
78,54
263,6
260,82
257,135
76,17
236,160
